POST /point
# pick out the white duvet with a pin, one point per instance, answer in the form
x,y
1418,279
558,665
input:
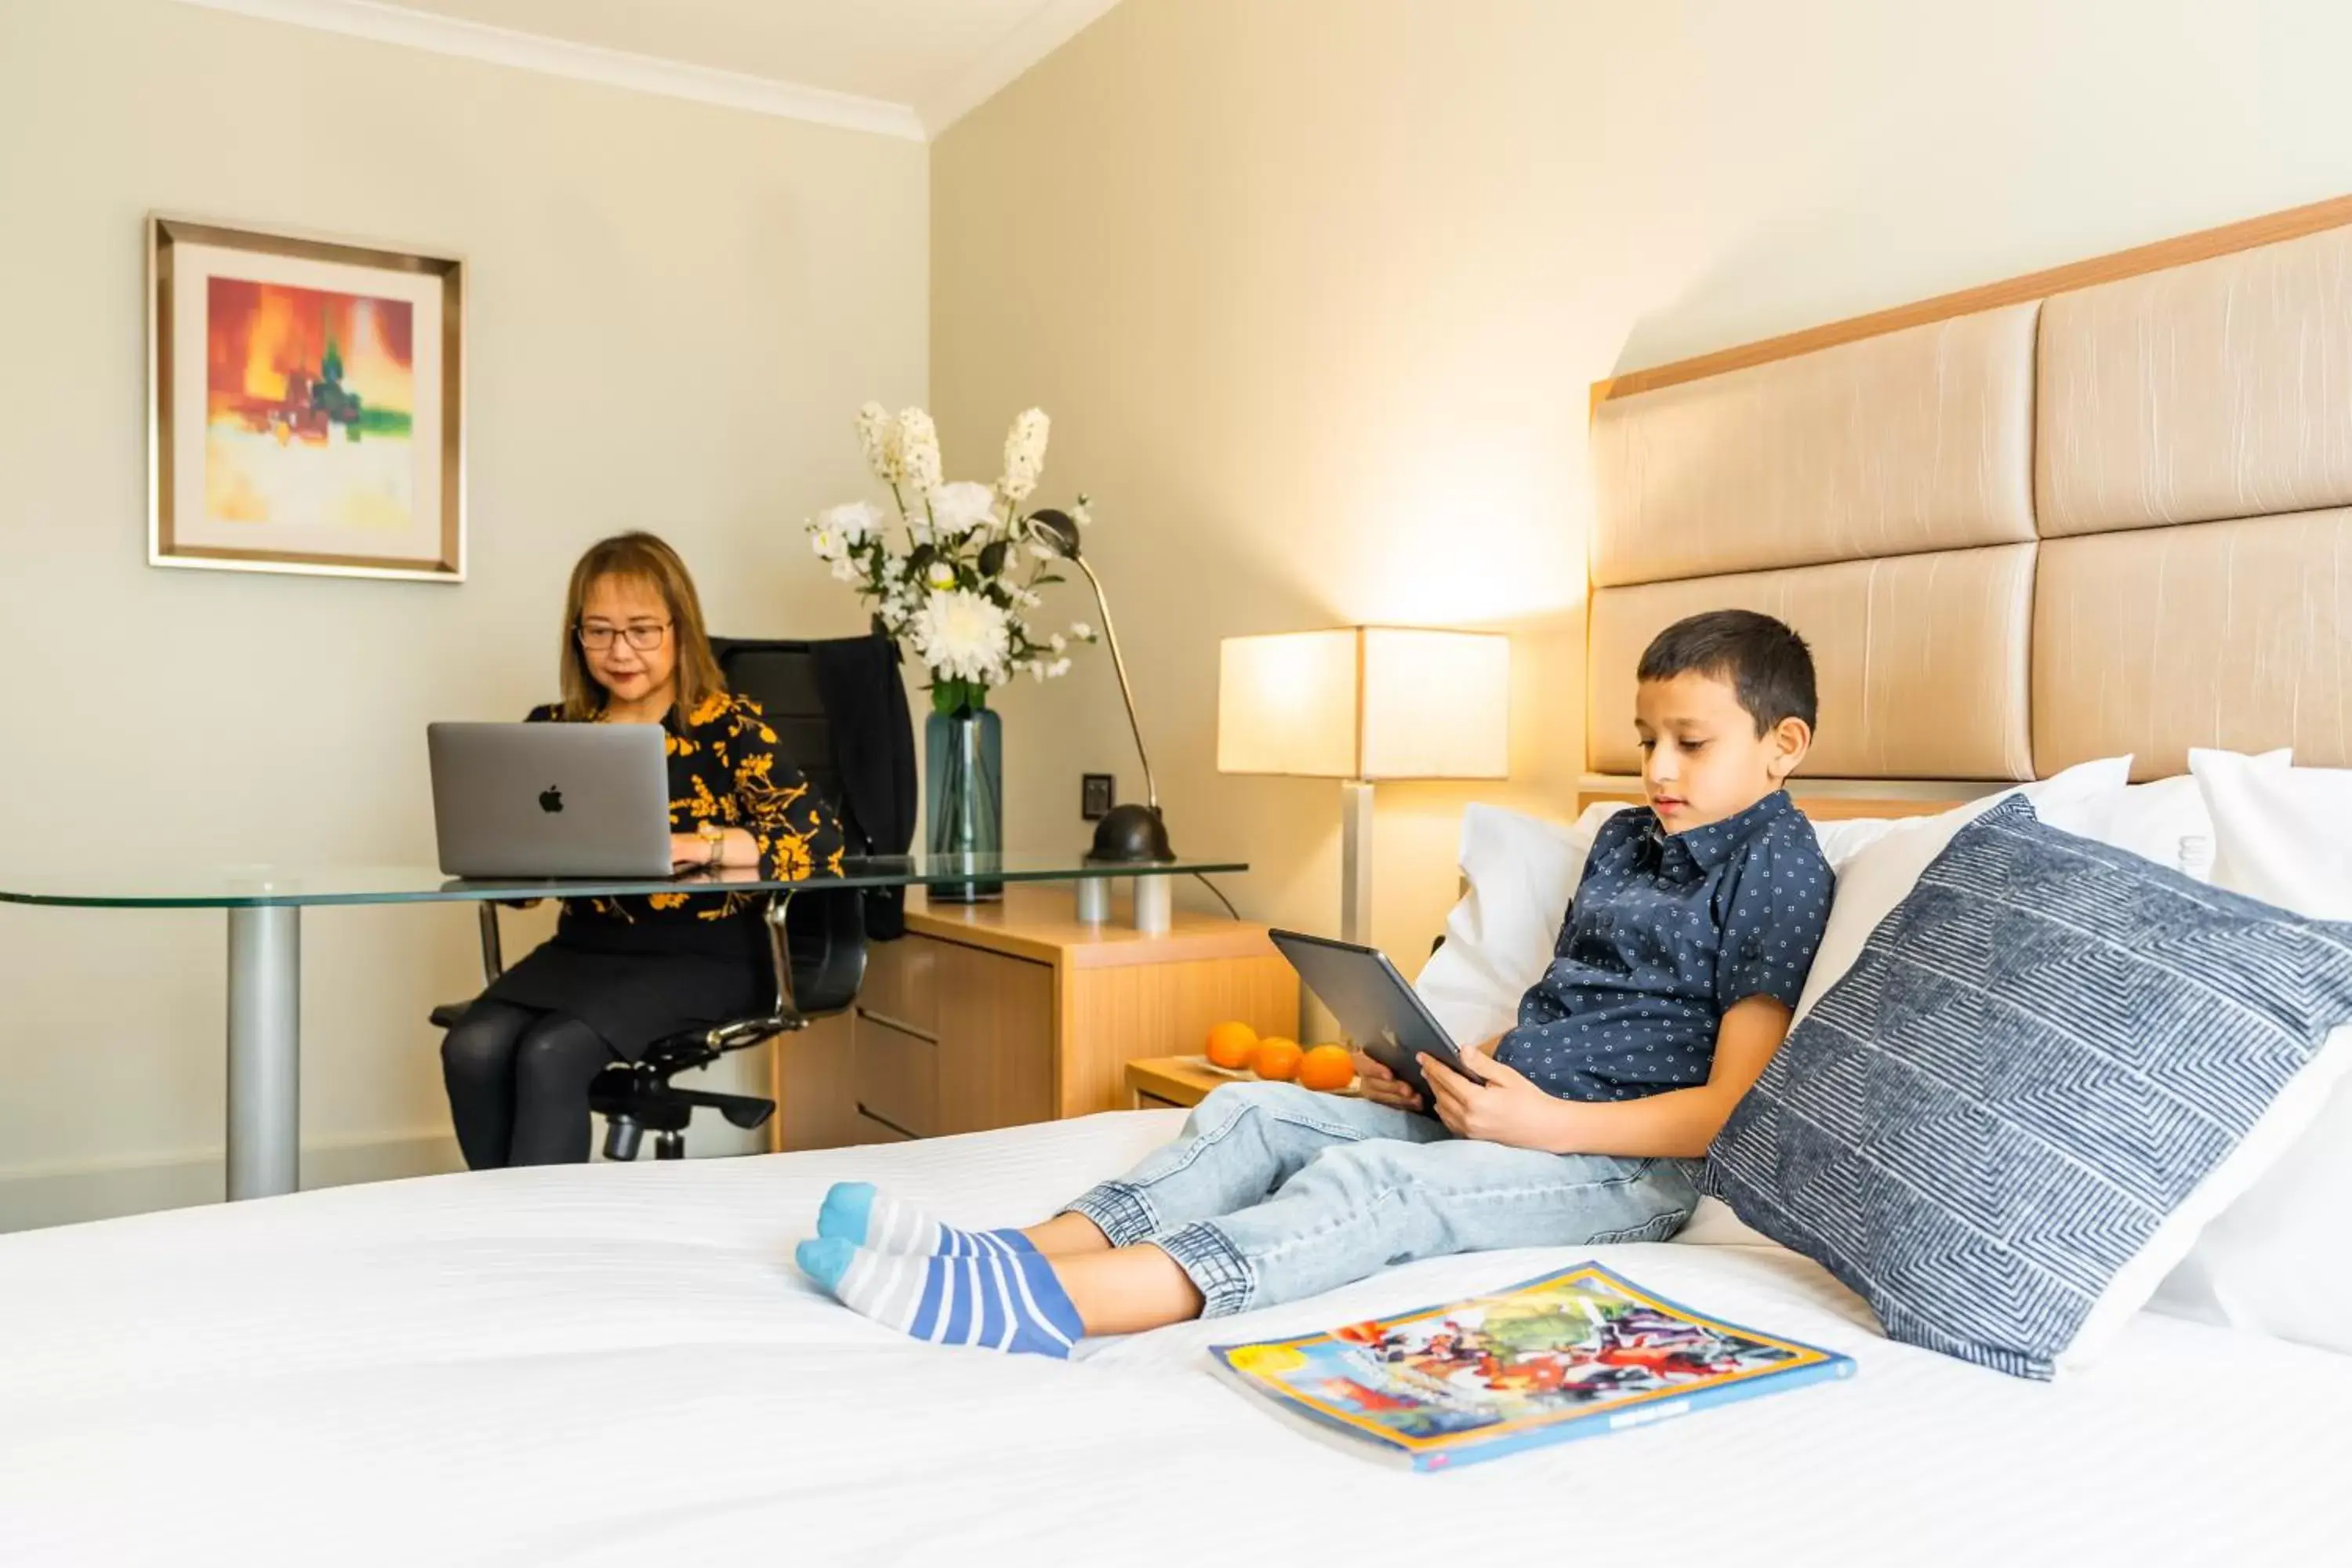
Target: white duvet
x,y
619,1364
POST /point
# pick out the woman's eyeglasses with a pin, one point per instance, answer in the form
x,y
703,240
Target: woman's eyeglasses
x,y
645,637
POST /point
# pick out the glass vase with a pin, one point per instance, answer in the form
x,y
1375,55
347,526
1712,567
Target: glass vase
x,y
963,799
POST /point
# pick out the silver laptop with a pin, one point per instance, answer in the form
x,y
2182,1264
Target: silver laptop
x,y
550,800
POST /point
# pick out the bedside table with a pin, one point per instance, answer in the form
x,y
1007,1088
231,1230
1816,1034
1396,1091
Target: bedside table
x,y
1166,1083
995,1014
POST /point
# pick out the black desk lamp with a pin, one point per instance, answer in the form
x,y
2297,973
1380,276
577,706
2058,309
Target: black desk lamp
x,y
1127,835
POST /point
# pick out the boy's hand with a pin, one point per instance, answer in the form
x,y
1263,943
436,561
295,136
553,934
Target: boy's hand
x,y
1506,1109
1382,1087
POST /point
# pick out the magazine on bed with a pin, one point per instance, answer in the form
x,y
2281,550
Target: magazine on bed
x,y
1574,1354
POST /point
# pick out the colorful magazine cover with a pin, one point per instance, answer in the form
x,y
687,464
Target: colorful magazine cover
x,y
1571,1354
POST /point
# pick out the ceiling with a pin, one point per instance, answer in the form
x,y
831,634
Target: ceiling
x,y
928,61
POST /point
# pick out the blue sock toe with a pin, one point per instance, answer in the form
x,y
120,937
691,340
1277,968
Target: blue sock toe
x,y
847,1212
824,1258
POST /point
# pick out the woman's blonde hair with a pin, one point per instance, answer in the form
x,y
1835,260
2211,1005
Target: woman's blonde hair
x,y
650,561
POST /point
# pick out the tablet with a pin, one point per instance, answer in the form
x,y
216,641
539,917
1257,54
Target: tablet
x,y
1379,1011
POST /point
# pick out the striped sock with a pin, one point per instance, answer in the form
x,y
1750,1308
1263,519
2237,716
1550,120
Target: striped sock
x,y
997,1300
862,1216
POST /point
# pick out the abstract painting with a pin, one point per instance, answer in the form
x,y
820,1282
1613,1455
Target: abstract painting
x,y
306,408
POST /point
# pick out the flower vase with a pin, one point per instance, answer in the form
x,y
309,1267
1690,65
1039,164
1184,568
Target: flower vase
x,y
964,768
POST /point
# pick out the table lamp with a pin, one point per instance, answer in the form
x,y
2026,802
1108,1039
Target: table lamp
x,y
1361,704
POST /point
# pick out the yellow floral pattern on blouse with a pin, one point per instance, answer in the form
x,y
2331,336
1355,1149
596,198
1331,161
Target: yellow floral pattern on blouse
x,y
724,768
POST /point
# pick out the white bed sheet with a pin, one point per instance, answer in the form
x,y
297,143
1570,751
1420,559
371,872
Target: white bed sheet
x,y
619,1364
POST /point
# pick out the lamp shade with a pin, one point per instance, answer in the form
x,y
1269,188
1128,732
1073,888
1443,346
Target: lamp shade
x,y
1365,702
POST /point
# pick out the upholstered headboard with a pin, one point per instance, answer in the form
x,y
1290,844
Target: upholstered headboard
x,y
2103,508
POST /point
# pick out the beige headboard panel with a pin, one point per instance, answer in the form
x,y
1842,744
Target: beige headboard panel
x,y
2219,390
2153,569
2221,634
1883,633
1918,440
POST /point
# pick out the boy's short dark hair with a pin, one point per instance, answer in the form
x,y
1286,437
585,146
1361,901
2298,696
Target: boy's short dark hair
x,y
1762,661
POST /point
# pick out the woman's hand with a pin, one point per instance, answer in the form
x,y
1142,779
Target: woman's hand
x,y
689,852
1382,1087
1506,1108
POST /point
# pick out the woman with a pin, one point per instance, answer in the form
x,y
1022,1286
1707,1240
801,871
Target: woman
x,y
621,973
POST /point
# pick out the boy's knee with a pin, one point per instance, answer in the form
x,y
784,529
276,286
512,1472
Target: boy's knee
x,y
1244,1099
1230,1102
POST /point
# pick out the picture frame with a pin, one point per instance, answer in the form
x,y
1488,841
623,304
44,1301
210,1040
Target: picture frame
x,y
306,408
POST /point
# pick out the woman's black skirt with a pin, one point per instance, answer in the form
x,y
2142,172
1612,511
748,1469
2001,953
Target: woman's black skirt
x,y
634,984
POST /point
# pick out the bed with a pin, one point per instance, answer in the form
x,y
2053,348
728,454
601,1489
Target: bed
x,y
2008,562
619,1364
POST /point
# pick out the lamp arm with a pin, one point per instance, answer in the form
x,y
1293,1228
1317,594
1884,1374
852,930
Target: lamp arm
x,y
1110,636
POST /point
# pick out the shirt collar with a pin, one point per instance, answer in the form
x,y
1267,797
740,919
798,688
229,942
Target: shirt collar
x,y
1686,856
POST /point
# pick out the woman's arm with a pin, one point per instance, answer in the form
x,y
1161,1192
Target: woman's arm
x,y
788,831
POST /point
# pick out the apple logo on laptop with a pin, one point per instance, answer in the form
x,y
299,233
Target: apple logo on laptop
x,y
550,799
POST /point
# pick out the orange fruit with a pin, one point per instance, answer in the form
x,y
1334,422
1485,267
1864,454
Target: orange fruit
x,y
1230,1045
1327,1067
1276,1058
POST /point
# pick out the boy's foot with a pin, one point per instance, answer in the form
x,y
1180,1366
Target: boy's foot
x,y
1005,1301
862,1216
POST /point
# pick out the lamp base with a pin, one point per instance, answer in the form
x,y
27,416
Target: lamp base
x,y
1132,836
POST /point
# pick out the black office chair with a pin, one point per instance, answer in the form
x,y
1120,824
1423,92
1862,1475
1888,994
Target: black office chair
x,y
816,937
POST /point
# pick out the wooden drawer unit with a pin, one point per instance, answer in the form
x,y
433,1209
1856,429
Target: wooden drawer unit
x,y
999,1015
897,1075
902,985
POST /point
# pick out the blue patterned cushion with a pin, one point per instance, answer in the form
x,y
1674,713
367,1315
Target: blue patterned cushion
x,y
2036,1059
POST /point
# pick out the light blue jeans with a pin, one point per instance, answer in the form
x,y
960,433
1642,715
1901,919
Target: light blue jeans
x,y
1274,1192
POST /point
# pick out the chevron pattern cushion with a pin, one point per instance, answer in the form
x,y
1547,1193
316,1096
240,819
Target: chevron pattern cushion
x,y
2050,1065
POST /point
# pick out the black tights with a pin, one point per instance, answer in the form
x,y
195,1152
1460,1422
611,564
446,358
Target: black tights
x,y
519,1085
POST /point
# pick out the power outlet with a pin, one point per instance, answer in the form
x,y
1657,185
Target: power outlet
x,y
1096,793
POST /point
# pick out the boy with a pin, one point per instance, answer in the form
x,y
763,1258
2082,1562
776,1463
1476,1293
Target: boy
x,y
1680,958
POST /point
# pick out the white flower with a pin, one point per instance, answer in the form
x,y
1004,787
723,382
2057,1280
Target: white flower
x,y
1083,632
960,508
1057,643
1082,513
1060,666
918,453
845,569
1036,671
853,520
826,543
1024,455
878,436
963,637
1028,598
942,575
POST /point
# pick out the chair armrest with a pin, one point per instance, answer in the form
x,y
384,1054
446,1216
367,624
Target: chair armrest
x,y
816,939
493,958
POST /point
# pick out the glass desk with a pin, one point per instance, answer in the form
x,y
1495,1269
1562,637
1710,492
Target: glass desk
x,y
265,904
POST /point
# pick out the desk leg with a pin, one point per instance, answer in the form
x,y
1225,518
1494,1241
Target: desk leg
x,y
265,1050
1155,905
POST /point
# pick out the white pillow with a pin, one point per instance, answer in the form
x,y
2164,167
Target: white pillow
x,y
2278,1260
1882,875
1499,939
2165,821
1846,837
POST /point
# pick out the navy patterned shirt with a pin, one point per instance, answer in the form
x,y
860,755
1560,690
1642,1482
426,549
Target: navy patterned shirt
x,y
1666,933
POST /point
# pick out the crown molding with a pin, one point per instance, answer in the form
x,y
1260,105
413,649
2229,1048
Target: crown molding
x,y
442,35
1048,28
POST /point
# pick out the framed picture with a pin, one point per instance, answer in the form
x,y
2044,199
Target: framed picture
x,y
305,405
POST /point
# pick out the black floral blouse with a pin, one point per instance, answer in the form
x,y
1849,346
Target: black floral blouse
x,y
724,767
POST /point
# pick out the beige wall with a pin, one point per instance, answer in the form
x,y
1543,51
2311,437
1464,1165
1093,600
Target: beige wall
x,y
1314,290
674,309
